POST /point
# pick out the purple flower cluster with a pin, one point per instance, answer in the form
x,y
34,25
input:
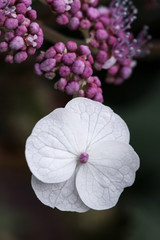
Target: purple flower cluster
x,y
73,66
20,36
115,46
74,13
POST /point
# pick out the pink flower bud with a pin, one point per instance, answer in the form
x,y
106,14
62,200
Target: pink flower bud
x,y
21,30
71,46
62,82
48,64
91,92
79,15
113,70
94,43
2,18
9,36
104,46
92,13
101,56
98,66
31,50
40,57
78,67
90,59
37,69
62,19
26,2
105,20
16,43
126,62
98,25
85,24
59,47
73,23
32,14
58,57
90,80
26,22
59,6
84,157
39,41
50,75
101,35
72,88
75,6
98,97
3,47
11,23
50,53
84,50
34,28
64,71
21,8
20,18
9,59
97,81
94,3
84,7
112,40
126,72
87,72
20,57
69,58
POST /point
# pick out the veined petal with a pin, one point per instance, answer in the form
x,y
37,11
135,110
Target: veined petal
x,y
111,167
101,122
63,195
54,146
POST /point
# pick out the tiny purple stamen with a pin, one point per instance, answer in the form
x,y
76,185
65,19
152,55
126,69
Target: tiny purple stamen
x,y
84,157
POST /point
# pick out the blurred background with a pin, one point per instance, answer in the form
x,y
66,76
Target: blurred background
x,y
25,98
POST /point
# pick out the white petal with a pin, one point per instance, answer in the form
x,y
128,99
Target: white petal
x,y
110,168
101,122
54,146
63,196
109,63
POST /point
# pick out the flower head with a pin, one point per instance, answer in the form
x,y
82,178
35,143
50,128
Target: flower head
x,y
20,36
111,35
73,67
80,157
74,13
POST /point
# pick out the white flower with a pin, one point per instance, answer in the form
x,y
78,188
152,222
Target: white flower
x,y
80,157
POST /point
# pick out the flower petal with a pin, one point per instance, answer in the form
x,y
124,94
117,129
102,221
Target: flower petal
x,y
110,168
109,63
63,195
101,122
53,148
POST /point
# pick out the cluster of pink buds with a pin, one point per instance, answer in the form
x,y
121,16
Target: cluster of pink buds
x,y
20,36
115,47
74,13
73,68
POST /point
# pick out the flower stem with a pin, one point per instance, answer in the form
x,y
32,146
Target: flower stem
x,y
54,36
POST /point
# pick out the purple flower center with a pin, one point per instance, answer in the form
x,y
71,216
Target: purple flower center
x,y
84,157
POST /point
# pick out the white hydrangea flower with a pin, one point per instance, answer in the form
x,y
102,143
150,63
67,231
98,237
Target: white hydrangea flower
x,y
80,157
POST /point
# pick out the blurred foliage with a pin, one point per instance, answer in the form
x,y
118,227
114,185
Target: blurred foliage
x,y
25,98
